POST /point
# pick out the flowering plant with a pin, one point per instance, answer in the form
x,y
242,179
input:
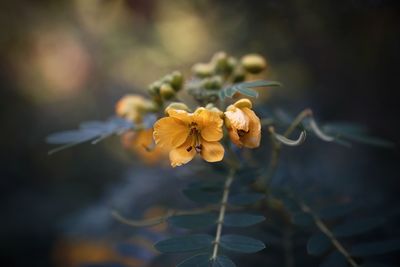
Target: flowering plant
x,y
220,122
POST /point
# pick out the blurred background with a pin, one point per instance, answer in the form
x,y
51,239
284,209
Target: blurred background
x,y
64,62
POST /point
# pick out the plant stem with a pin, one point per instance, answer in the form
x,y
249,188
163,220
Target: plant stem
x,y
157,220
220,222
276,146
324,229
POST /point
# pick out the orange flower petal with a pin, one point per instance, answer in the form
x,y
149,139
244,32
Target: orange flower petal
x,y
210,124
179,114
182,154
212,151
237,118
253,137
170,132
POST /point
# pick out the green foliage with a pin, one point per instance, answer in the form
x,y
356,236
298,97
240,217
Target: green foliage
x,y
357,227
185,243
375,248
193,221
318,244
245,88
246,198
241,244
242,219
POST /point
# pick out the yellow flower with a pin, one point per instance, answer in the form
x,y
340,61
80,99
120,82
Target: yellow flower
x,y
187,134
141,142
132,107
243,125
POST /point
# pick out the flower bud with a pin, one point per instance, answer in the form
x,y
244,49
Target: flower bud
x,y
203,69
177,80
212,83
166,91
254,63
220,61
177,106
239,75
154,88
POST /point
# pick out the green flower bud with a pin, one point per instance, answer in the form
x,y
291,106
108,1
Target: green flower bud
x,y
177,80
220,61
239,75
178,106
154,88
166,91
203,69
212,83
254,63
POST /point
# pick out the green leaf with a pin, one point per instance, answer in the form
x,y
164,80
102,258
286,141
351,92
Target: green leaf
x,y
193,221
335,259
318,244
241,244
201,260
357,227
247,91
337,211
186,243
376,264
242,219
370,140
244,88
202,196
223,261
245,198
375,248
302,219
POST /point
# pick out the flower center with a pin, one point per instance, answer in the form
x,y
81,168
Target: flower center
x,y
241,133
195,135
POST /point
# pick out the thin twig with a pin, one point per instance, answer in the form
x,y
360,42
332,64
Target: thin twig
x,y
159,219
276,146
288,245
222,210
324,229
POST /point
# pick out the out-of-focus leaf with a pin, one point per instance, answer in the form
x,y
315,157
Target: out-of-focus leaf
x,y
186,243
335,259
245,198
241,244
223,261
94,131
344,127
318,244
242,219
201,260
302,219
376,264
370,140
201,196
244,88
375,248
337,211
357,227
193,221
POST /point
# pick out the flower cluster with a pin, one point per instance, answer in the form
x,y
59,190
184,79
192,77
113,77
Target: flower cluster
x,y
181,133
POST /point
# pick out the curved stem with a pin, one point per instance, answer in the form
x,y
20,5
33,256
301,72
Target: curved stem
x,y
276,146
157,220
324,229
220,222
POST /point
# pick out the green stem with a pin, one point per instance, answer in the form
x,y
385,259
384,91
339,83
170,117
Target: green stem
x,y
220,222
324,229
276,146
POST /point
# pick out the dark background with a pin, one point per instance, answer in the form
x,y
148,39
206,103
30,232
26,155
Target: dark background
x,y
63,62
